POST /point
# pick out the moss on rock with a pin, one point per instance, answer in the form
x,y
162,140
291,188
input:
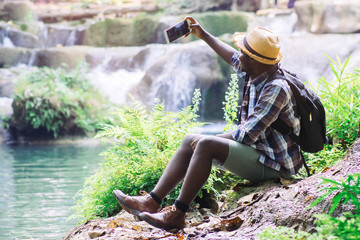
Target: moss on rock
x,y
122,32
218,23
146,28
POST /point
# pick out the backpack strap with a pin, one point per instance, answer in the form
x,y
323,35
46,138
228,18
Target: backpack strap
x,y
279,124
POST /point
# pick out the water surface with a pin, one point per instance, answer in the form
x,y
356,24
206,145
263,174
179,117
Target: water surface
x,y
38,185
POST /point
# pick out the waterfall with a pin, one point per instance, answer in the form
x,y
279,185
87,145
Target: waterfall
x,y
70,41
115,85
32,58
4,36
7,42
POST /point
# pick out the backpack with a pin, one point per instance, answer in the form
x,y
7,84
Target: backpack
x,y
312,136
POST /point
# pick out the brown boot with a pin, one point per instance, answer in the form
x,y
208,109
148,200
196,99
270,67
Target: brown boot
x,y
138,204
170,219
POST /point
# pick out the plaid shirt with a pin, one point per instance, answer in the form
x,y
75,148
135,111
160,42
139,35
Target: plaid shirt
x,y
261,106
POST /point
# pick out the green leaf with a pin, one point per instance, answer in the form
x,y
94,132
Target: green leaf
x,y
335,202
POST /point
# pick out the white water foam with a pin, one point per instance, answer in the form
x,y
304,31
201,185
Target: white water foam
x,y
115,85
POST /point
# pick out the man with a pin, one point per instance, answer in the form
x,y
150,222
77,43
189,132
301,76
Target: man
x,y
254,150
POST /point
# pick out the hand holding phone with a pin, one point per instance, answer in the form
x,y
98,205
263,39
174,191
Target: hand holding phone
x,y
177,31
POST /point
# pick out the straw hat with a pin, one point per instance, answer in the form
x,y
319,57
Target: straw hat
x,y
260,44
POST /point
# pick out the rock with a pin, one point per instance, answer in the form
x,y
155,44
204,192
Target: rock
x,y
186,7
19,38
56,57
64,35
199,68
250,6
303,54
14,56
5,106
270,204
19,10
62,12
323,16
144,30
214,5
7,80
95,234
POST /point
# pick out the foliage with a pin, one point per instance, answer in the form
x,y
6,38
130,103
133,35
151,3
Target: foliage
x,y
282,233
56,101
324,158
343,227
347,190
222,22
231,106
139,147
341,99
144,28
342,103
346,226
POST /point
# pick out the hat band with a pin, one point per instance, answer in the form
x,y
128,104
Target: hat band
x,y
247,46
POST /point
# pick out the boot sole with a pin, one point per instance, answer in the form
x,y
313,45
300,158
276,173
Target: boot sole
x,y
155,224
125,206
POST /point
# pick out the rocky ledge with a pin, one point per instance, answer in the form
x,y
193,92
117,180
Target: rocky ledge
x,y
268,204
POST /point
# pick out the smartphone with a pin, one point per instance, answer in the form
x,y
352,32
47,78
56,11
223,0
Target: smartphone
x,y
177,31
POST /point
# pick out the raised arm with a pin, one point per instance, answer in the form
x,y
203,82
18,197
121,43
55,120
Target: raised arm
x,y
224,50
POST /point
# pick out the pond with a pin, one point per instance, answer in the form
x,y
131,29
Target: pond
x,y
38,185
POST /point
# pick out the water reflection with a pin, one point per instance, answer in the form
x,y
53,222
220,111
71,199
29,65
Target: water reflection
x,y
37,185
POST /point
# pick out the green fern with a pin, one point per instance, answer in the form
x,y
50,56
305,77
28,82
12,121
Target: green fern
x,y
139,146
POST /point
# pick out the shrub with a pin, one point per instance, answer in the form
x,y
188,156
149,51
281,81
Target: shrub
x,y
346,226
139,147
323,159
341,99
54,102
231,103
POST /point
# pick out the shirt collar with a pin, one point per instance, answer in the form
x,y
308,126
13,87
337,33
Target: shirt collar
x,y
260,80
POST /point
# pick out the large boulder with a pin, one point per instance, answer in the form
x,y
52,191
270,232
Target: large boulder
x,y
19,10
122,32
63,35
57,57
328,16
150,29
250,6
184,6
168,80
14,56
18,38
304,54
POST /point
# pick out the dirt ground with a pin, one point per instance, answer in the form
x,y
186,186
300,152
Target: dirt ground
x,y
267,204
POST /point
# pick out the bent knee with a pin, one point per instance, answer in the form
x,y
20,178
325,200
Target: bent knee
x,y
217,147
207,142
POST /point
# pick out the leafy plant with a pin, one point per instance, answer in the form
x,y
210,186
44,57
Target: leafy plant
x,y
325,158
231,106
343,227
346,226
282,233
139,146
341,99
347,190
56,101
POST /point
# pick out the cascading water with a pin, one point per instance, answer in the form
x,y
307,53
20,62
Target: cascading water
x,y
5,40
115,84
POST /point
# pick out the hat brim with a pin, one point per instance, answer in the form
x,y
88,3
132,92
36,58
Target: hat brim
x,y
238,39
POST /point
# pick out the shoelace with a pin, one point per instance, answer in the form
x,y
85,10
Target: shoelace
x,y
169,208
143,193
